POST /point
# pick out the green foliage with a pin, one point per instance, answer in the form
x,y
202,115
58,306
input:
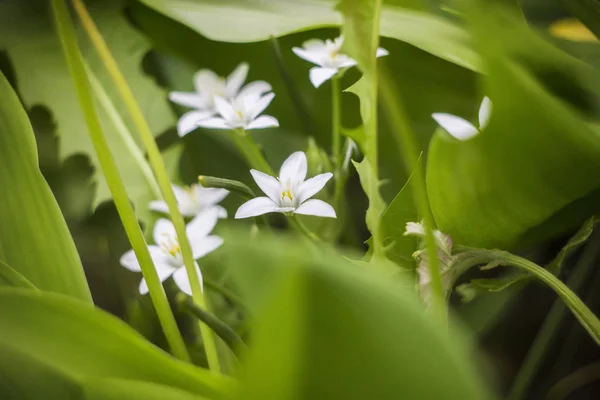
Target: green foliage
x,y
34,239
539,153
10,277
326,328
83,342
588,11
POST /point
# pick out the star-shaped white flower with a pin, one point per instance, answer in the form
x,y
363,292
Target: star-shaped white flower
x,y
208,85
193,199
290,193
329,58
462,129
241,112
166,253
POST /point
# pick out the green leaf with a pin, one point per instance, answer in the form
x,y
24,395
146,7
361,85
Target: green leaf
x,y
120,389
34,238
574,243
588,12
85,342
53,88
237,21
327,328
539,153
10,277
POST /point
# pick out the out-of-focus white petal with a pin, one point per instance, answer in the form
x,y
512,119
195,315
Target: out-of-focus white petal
x,y
189,121
159,206
260,105
345,61
224,108
319,75
163,268
312,186
317,208
222,212
129,261
264,121
205,80
381,52
236,79
485,112
202,224
163,228
456,126
294,168
269,185
257,88
255,207
214,123
187,99
313,55
312,44
209,196
205,245
183,281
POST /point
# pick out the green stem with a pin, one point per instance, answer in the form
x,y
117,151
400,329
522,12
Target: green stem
x,y
299,226
549,329
77,71
408,147
250,151
124,133
340,178
233,341
225,292
479,257
236,187
574,381
159,170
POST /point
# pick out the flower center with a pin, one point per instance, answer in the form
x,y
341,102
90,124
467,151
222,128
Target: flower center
x,y
288,194
169,245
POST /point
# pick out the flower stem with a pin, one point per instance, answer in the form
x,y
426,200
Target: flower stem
x,y
159,170
408,147
250,151
77,71
336,148
588,320
299,226
236,187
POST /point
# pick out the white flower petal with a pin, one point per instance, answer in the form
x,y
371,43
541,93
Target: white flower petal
x,y
317,208
485,112
260,105
205,80
456,126
269,185
163,268
214,123
163,228
159,206
189,121
236,79
224,108
381,52
202,224
209,196
313,55
264,121
345,62
312,186
294,168
129,261
182,280
187,99
255,207
319,75
222,212
206,245
256,88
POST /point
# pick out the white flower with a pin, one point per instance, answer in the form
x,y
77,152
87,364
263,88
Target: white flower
x,y
166,253
193,199
241,112
208,85
327,55
462,129
290,193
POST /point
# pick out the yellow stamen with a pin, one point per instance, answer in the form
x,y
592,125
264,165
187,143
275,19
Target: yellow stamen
x,y
288,194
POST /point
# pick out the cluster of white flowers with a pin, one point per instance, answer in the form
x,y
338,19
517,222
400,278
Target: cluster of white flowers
x,y
228,103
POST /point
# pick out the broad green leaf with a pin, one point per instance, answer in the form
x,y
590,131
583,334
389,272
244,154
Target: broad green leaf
x,y
329,329
10,277
121,389
83,341
27,34
539,154
588,11
34,239
246,21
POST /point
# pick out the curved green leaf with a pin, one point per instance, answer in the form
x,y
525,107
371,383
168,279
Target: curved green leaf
x,y
247,21
120,389
83,341
10,277
539,153
34,238
326,328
